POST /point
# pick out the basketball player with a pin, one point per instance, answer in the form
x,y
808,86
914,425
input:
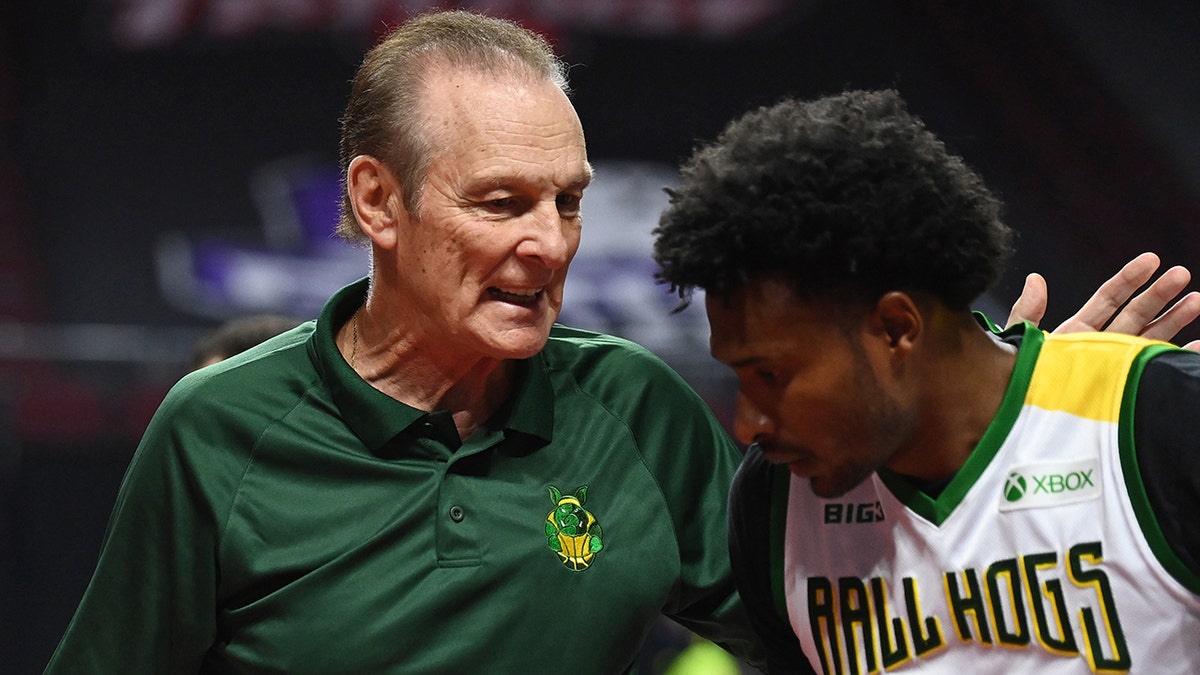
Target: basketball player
x,y
921,494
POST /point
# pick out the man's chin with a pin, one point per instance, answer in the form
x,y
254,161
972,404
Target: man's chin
x,y
832,487
520,342
520,351
826,491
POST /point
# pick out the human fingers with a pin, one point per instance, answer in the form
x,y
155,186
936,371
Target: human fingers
x,y
1031,305
1175,319
1102,307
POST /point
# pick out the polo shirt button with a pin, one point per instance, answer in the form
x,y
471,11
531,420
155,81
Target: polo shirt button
x,y
456,514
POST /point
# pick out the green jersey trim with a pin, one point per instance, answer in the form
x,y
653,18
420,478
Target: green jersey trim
x,y
938,510
1134,486
986,323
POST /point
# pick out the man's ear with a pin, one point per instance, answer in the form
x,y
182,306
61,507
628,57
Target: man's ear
x,y
898,322
377,199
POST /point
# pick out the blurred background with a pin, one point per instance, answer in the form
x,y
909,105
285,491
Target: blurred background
x,y
166,165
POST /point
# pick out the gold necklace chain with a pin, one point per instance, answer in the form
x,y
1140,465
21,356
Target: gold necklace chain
x,y
354,339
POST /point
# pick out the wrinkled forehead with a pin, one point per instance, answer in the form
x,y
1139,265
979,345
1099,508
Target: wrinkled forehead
x,y
449,84
497,124
460,101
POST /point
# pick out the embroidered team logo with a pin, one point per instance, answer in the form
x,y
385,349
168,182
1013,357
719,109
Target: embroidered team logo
x,y
1050,484
571,530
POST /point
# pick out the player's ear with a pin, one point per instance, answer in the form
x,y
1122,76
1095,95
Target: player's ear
x,y
377,199
897,322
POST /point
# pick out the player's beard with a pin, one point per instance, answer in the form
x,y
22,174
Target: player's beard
x,y
873,433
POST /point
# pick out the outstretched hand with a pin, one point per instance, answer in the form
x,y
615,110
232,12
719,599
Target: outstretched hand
x,y
1107,308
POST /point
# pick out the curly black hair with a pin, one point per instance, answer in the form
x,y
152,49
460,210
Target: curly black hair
x,y
844,197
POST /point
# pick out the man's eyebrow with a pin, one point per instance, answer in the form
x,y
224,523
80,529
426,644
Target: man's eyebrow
x,y
584,179
743,362
579,182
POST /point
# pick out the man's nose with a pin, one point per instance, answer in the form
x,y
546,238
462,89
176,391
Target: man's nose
x,y
751,425
549,239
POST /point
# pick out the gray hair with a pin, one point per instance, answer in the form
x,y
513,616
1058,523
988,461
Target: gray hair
x,y
383,117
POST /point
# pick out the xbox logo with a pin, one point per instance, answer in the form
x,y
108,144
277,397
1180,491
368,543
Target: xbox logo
x,y
1014,487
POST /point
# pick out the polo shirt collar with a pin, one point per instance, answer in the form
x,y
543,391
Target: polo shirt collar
x,y
376,418
532,410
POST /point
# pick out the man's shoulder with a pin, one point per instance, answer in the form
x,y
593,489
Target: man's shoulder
x,y
267,376
569,347
568,334
617,371
213,419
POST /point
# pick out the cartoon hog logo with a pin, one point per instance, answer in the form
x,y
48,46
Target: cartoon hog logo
x,y
571,530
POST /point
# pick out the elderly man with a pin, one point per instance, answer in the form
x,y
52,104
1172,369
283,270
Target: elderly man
x,y
432,477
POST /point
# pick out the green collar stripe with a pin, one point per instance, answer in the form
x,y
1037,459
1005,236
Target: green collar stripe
x,y
1133,477
937,510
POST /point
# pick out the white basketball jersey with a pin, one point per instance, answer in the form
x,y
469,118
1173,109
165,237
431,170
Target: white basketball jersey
x,y
1041,556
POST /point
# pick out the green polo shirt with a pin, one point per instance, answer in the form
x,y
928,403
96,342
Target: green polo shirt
x,y
281,515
